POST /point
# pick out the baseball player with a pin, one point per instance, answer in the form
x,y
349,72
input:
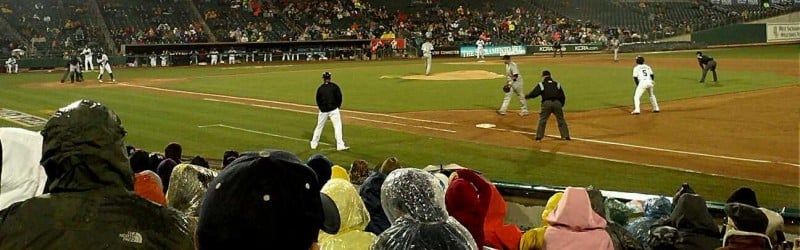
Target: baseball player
x,y
164,56
232,56
11,65
479,51
514,80
87,58
427,49
644,79
615,47
105,66
553,100
214,56
329,99
73,70
153,59
707,63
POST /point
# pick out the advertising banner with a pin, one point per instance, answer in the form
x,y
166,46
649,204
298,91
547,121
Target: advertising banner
x,y
516,50
400,42
589,47
783,32
445,51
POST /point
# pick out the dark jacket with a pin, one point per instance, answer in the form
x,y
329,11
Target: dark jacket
x,y
550,90
703,60
370,193
694,224
621,238
329,97
90,202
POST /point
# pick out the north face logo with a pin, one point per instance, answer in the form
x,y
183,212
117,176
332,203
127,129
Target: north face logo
x,y
134,237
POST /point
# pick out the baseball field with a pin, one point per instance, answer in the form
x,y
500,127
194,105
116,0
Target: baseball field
x,y
741,131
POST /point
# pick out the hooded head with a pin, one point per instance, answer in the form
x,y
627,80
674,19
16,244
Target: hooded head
x,y
575,213
551,205
187,187
414,203
199,161
657,207
684,189
746,218
353,213
83,149
691,215
228,157
744,195
415,194
321,166
338,172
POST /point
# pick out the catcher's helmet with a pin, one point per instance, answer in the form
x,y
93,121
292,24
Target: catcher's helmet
x,y
326,75
639,60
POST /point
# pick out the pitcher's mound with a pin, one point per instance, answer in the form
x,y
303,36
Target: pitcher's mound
x,y
457,75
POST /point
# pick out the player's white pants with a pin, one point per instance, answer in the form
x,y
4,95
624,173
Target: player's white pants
x,y
163,62
479,53
427,64
214,59
152,62
88,64
12,68
645,85
616,51
231,59
337,128
104,68
518,89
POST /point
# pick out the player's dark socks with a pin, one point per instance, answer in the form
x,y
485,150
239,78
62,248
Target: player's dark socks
x,y
112,76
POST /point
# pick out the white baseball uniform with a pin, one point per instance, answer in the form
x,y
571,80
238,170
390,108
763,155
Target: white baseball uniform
x,y
87,59
427,49
644,74
517,88
105,66
479,51
214,57
615,46
153,60
231,56
11,65
164,57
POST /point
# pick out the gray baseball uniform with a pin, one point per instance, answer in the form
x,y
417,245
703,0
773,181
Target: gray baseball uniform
x,y
517,87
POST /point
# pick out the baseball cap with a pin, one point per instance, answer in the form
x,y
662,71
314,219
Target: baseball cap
x,y
326,75
266,196
546,73
506,57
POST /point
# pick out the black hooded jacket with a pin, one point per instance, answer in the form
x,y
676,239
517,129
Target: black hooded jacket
x,y
89,202
694,224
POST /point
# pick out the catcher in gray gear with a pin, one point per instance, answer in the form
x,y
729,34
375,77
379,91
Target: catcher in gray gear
x,y
515,82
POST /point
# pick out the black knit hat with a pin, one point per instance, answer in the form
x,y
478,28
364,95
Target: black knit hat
x,y
747,218
546,73
322,167
744,195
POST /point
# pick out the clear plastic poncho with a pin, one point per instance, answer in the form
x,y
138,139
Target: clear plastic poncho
x,y
654,210
354,218
187,189
414,203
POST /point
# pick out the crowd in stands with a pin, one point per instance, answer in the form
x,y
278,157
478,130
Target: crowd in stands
x,y
71,24
100,192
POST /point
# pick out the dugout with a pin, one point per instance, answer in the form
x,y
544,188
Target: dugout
x,y
186,54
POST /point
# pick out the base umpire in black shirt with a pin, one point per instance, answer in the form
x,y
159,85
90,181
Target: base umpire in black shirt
x,y
707,63
553,100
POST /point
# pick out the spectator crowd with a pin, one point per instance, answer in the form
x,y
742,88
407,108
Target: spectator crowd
x,y
98,192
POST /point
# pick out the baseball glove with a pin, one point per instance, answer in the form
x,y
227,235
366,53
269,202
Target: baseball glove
x,y
506,88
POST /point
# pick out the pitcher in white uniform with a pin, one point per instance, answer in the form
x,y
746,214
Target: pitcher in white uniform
x,y
479,52
427,49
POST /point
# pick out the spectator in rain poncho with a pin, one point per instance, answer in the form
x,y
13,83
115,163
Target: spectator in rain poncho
x,y
574,225
188,188
354,218
21,175
533,239
148,185
693,222
89,203
616,215
414,203
654,209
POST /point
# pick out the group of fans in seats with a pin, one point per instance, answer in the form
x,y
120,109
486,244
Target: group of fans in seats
x,y
76,185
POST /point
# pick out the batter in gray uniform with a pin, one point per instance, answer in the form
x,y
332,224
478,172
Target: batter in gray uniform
x,y
553,100
515,80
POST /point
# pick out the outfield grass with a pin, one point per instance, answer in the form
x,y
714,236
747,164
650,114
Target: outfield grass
x,y
153,120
